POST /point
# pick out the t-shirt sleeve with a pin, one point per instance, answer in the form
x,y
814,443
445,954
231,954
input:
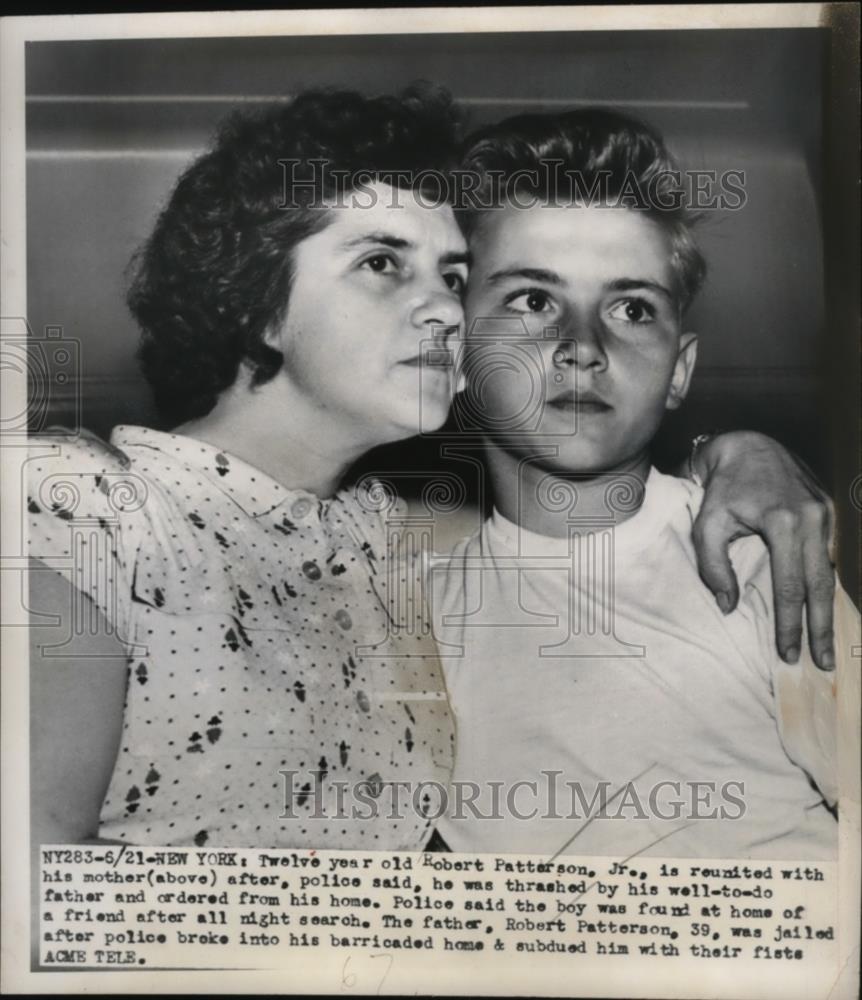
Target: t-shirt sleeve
x,y
83,509
807,700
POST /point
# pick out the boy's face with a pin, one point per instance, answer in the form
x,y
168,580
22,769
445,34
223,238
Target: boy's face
x,y
615,359
372,293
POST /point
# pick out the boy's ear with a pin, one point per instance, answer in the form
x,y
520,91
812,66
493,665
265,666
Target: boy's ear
x,y
682,371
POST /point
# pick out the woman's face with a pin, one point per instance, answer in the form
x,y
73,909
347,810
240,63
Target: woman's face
x,y
374,312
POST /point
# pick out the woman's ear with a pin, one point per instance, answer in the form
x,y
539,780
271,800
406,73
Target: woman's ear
x,y
682,371
272,336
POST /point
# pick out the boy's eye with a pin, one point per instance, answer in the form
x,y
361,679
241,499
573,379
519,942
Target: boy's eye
x,y
532,301
632,311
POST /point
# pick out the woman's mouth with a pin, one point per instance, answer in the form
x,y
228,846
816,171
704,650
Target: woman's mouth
x,y
438,359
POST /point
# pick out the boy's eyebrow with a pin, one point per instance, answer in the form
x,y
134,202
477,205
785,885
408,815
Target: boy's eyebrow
x,y
530,273
632,284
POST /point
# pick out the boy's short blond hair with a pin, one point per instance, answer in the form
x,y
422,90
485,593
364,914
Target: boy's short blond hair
x,y
589,156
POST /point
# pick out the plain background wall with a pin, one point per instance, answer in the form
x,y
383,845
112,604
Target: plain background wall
x,y
110,125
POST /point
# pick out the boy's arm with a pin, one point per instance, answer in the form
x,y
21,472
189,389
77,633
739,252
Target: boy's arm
x,y
753,485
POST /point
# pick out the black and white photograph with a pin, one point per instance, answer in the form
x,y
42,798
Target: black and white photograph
x,y
431,487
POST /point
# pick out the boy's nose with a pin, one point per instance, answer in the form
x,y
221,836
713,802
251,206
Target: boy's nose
x,y
581,346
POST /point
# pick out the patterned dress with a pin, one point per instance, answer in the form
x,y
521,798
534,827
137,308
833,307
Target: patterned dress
x,y
283,688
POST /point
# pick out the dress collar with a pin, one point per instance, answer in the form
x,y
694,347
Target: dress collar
x,y
252,490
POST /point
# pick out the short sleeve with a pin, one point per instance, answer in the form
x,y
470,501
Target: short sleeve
x,y
809,701
806,699
83,504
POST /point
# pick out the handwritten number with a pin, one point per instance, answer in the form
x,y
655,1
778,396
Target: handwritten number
x,y
386,973
347,981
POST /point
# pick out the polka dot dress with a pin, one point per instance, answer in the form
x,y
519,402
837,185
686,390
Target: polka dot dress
x,y
282,691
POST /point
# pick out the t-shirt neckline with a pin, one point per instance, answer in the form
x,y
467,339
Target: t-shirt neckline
x,y
631,535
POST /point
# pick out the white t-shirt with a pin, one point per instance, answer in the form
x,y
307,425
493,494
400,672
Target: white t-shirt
x,y
601,665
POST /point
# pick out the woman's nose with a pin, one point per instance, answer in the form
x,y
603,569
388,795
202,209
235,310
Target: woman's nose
x,y
440,311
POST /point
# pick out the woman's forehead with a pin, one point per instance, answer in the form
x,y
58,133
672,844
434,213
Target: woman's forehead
x,y
400,213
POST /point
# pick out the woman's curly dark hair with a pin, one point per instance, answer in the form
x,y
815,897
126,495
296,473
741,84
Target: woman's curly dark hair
x,y
215,275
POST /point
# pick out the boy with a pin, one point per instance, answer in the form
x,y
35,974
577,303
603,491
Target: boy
x,y
591,678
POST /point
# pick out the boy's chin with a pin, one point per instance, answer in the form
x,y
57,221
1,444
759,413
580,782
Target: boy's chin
x,y
586,461
586,467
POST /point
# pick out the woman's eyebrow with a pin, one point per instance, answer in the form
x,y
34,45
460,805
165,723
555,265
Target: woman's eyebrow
x,y
530,273
380,238
457,257
376,239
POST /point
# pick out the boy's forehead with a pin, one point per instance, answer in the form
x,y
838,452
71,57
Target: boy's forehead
x,y
570,240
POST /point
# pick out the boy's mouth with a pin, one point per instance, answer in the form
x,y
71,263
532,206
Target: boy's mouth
x,y
581,402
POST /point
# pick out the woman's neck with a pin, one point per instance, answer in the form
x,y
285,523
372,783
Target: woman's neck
x,y
286,438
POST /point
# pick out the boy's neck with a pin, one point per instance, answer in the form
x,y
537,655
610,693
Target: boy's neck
x,y
286,438
547,502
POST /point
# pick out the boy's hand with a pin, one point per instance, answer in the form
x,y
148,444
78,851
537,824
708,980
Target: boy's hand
x,y
755,486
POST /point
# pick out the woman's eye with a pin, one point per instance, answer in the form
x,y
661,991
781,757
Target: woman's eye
x,y
632,311
532,301
455,282
381,263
